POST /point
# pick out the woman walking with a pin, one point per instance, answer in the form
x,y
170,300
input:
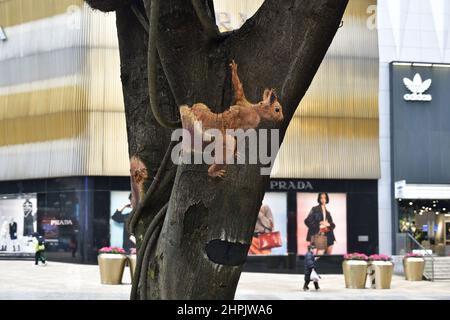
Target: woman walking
x,y
39,248
310,266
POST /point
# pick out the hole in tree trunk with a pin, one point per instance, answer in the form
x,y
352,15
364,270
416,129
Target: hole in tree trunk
x,y
227,253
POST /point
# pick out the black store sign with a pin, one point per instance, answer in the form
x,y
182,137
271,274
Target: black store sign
x,y
420,123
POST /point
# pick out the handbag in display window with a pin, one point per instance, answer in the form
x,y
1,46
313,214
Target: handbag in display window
x,y
320,241
269,240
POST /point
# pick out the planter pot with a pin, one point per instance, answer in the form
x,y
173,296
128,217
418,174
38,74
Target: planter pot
x,y
111,267
383,274
132,264
355,274
414,268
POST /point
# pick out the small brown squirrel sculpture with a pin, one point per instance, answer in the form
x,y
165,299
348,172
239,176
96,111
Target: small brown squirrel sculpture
x,y
243,115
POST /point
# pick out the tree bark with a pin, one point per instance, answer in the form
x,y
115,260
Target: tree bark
x,y
147,141
208,225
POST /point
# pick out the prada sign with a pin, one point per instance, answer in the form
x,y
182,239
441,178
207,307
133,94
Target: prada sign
x,y
61,222
291,185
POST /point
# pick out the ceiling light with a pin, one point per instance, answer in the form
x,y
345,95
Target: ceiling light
x,y
408,64
419,64
440,65
410,203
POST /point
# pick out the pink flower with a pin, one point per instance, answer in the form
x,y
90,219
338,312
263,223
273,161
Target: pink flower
x,y
380,257
112,250
413,255
356,256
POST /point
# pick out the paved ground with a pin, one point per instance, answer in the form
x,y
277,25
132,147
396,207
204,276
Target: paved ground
x,y
22,280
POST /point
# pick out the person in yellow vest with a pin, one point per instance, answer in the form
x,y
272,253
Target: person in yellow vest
x,y
39,248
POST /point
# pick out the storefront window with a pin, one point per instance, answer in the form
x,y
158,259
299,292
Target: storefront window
x,y
447,233
120,211
427,221
17,223
59,223
270,235
325,228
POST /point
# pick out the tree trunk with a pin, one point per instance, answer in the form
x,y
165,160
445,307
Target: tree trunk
x,y
208,225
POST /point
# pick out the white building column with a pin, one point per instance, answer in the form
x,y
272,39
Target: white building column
x,y
385,183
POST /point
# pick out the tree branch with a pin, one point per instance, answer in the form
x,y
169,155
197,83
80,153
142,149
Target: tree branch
x,y
140,16
208,24
152,70
182,43
142,261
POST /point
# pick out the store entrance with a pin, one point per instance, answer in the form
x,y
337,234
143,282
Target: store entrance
x,y
17,225
428,221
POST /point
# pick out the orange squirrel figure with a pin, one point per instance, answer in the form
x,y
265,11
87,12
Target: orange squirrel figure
x,y
243,115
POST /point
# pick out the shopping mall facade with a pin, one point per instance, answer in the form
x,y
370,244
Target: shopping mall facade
x,y
378,147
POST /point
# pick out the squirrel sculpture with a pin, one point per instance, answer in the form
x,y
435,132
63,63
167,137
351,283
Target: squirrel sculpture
x,y
242,115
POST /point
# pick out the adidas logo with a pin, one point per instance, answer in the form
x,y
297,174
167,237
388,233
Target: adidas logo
x,y
417,88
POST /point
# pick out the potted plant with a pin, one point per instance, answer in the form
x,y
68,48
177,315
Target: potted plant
x,y
355,270
381,270
111,261
132,261
414,265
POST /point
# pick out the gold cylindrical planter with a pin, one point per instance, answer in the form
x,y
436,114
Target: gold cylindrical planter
x,y
111,267
355,274
414,268
132,264
383,274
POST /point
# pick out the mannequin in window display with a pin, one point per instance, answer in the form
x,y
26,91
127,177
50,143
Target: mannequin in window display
x,y
120,217
13,234
4,233
28,218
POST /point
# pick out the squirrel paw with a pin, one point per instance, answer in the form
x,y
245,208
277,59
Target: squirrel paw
x,y
218,174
